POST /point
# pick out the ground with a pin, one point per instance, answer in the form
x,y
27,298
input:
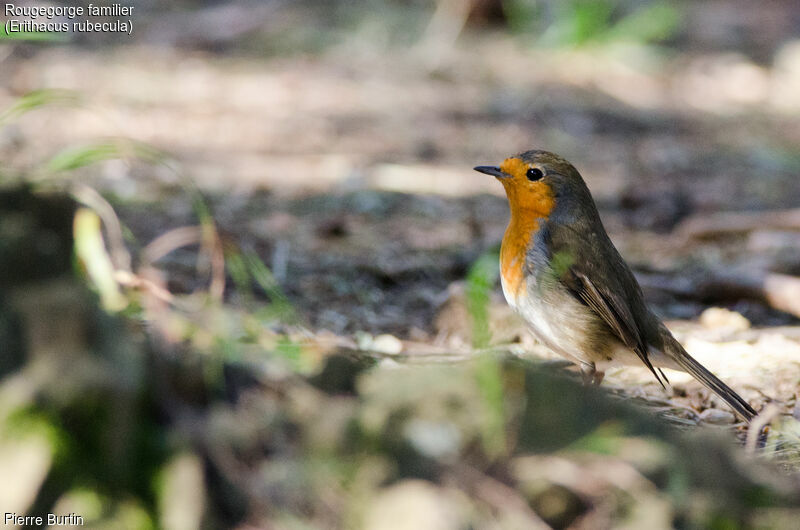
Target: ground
x,y
352,178
347,171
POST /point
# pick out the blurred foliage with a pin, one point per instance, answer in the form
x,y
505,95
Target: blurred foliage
x,y
393,23
135,430
315,26
90,250
79,157
481,279
279,306
31,36
583,22
38,99
222,413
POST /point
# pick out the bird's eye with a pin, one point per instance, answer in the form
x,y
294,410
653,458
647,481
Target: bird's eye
x,y
534,174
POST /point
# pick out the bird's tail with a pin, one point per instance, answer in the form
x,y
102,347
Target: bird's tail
x,y
676,352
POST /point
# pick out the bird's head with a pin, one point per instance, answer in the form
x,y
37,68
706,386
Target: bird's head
x,y
535,180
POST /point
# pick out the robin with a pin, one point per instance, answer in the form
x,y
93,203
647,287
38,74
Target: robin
x,y
563,275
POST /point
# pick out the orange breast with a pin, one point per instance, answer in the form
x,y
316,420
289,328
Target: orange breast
x,y
513,251
528,201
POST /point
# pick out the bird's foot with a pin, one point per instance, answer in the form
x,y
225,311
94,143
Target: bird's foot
x,y
591,375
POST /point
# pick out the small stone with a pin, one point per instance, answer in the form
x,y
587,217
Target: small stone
x,y
389,364
387,344
433,439
413,505
363,340
719,318
717,417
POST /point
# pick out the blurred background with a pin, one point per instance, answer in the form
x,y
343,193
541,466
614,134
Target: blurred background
x,y
274,207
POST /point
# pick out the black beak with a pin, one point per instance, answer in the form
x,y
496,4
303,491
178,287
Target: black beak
x,y
491,170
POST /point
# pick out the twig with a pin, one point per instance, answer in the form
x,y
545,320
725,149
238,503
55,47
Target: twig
x,y
498,495
169,241
446,25
89,197
756,434
748,335
212,246
207,236
710,226
138,282
783,292
215,25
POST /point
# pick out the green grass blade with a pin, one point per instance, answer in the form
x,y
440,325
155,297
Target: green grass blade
x,y
77,157
480,280
37,99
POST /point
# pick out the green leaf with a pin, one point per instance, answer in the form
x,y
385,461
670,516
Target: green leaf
x,y
589,20
651,23
91,250
586,22
290,351
237,268
266,280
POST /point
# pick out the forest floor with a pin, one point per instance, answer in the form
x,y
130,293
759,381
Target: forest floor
x,y
334,170
349,174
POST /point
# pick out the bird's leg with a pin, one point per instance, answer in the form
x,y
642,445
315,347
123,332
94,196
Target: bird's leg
x,y
598,377
591,375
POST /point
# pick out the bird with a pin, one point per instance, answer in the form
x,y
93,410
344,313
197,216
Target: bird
x,y
560,271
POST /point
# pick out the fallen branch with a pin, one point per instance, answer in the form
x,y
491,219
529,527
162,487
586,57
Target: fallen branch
x,y
748,335
778,291
212,26
711,226
496,494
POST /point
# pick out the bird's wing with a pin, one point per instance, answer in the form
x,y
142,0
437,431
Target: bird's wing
x,y
582,258
614,312
592,270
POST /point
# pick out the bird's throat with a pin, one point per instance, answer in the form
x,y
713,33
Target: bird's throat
x,y
513,251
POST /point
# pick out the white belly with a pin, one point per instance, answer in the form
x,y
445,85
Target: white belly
x,y
560,322
556,319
